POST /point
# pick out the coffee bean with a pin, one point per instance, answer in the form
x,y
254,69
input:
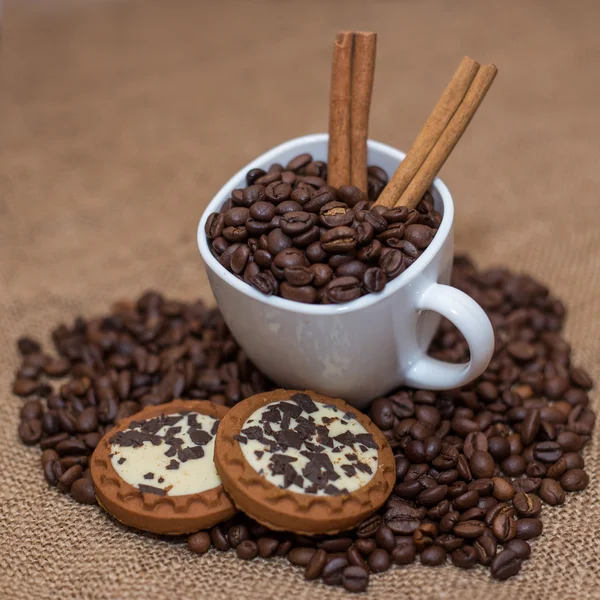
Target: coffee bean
x,y
355,579
502,489
514,465
464,557
25,387
199,543
236,535
482,464
528,528
333,570
32,409
68,478
30,431
405,552
219,539
574,480
504,528
485,549
342,289
520,547
547,452
392,263
527,505
247,550
266,546
419,235
433,556
379,560
581,378
82,491
467,500
530,426
469,529
305,293
316,565
385,538
505,564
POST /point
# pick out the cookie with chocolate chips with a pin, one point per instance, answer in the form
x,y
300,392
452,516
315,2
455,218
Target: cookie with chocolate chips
x,y
155,470
302,462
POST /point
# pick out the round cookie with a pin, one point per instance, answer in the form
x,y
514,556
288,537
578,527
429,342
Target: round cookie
x,y
298,461
155,470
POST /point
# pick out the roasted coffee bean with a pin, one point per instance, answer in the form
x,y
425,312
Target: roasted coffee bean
x,y
30,431
219,539
385,538
467,500
469,529
520,547
355,578
82,491
379,560
527,505
419,235
514,465
316,565
482,464
504,528
505,564
502,490
266,546
236,535
405,552
485,549
32,409
332,572
339,239
449,542
306,293
25,387
527,484
528,528
433,556
53,440
392,263
530,426
464,557
374,280
574,480
342,289
353,268
87,421
547,452
199,543
68,478
247,550
301,556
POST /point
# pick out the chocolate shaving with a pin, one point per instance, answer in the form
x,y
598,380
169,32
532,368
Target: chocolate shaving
x,y
150,489
305,402
240,438
173,465
200,437
149,476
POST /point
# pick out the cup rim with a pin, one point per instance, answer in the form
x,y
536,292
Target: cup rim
x,y
361,303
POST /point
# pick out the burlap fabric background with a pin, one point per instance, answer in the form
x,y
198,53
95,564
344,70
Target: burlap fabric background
x,y
119,120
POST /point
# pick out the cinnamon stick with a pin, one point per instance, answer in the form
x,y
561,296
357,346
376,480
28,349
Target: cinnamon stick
x,y
363,71
352,76
339,111
430,134
449,138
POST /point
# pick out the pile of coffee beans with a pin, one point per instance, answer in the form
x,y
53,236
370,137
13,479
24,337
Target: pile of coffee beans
x,y
475,466
290,234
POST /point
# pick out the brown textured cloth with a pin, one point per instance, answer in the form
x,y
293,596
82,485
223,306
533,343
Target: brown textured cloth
x,y
119,120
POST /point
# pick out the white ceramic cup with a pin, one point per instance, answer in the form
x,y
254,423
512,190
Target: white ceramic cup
x,y
366,348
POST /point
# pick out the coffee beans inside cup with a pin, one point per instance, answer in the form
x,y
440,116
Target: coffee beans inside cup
x,y
476,468
290,234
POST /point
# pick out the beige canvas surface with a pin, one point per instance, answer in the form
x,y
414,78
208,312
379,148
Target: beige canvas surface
x,y
119,120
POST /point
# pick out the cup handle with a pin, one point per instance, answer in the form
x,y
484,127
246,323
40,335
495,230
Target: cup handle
x,y
472,322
